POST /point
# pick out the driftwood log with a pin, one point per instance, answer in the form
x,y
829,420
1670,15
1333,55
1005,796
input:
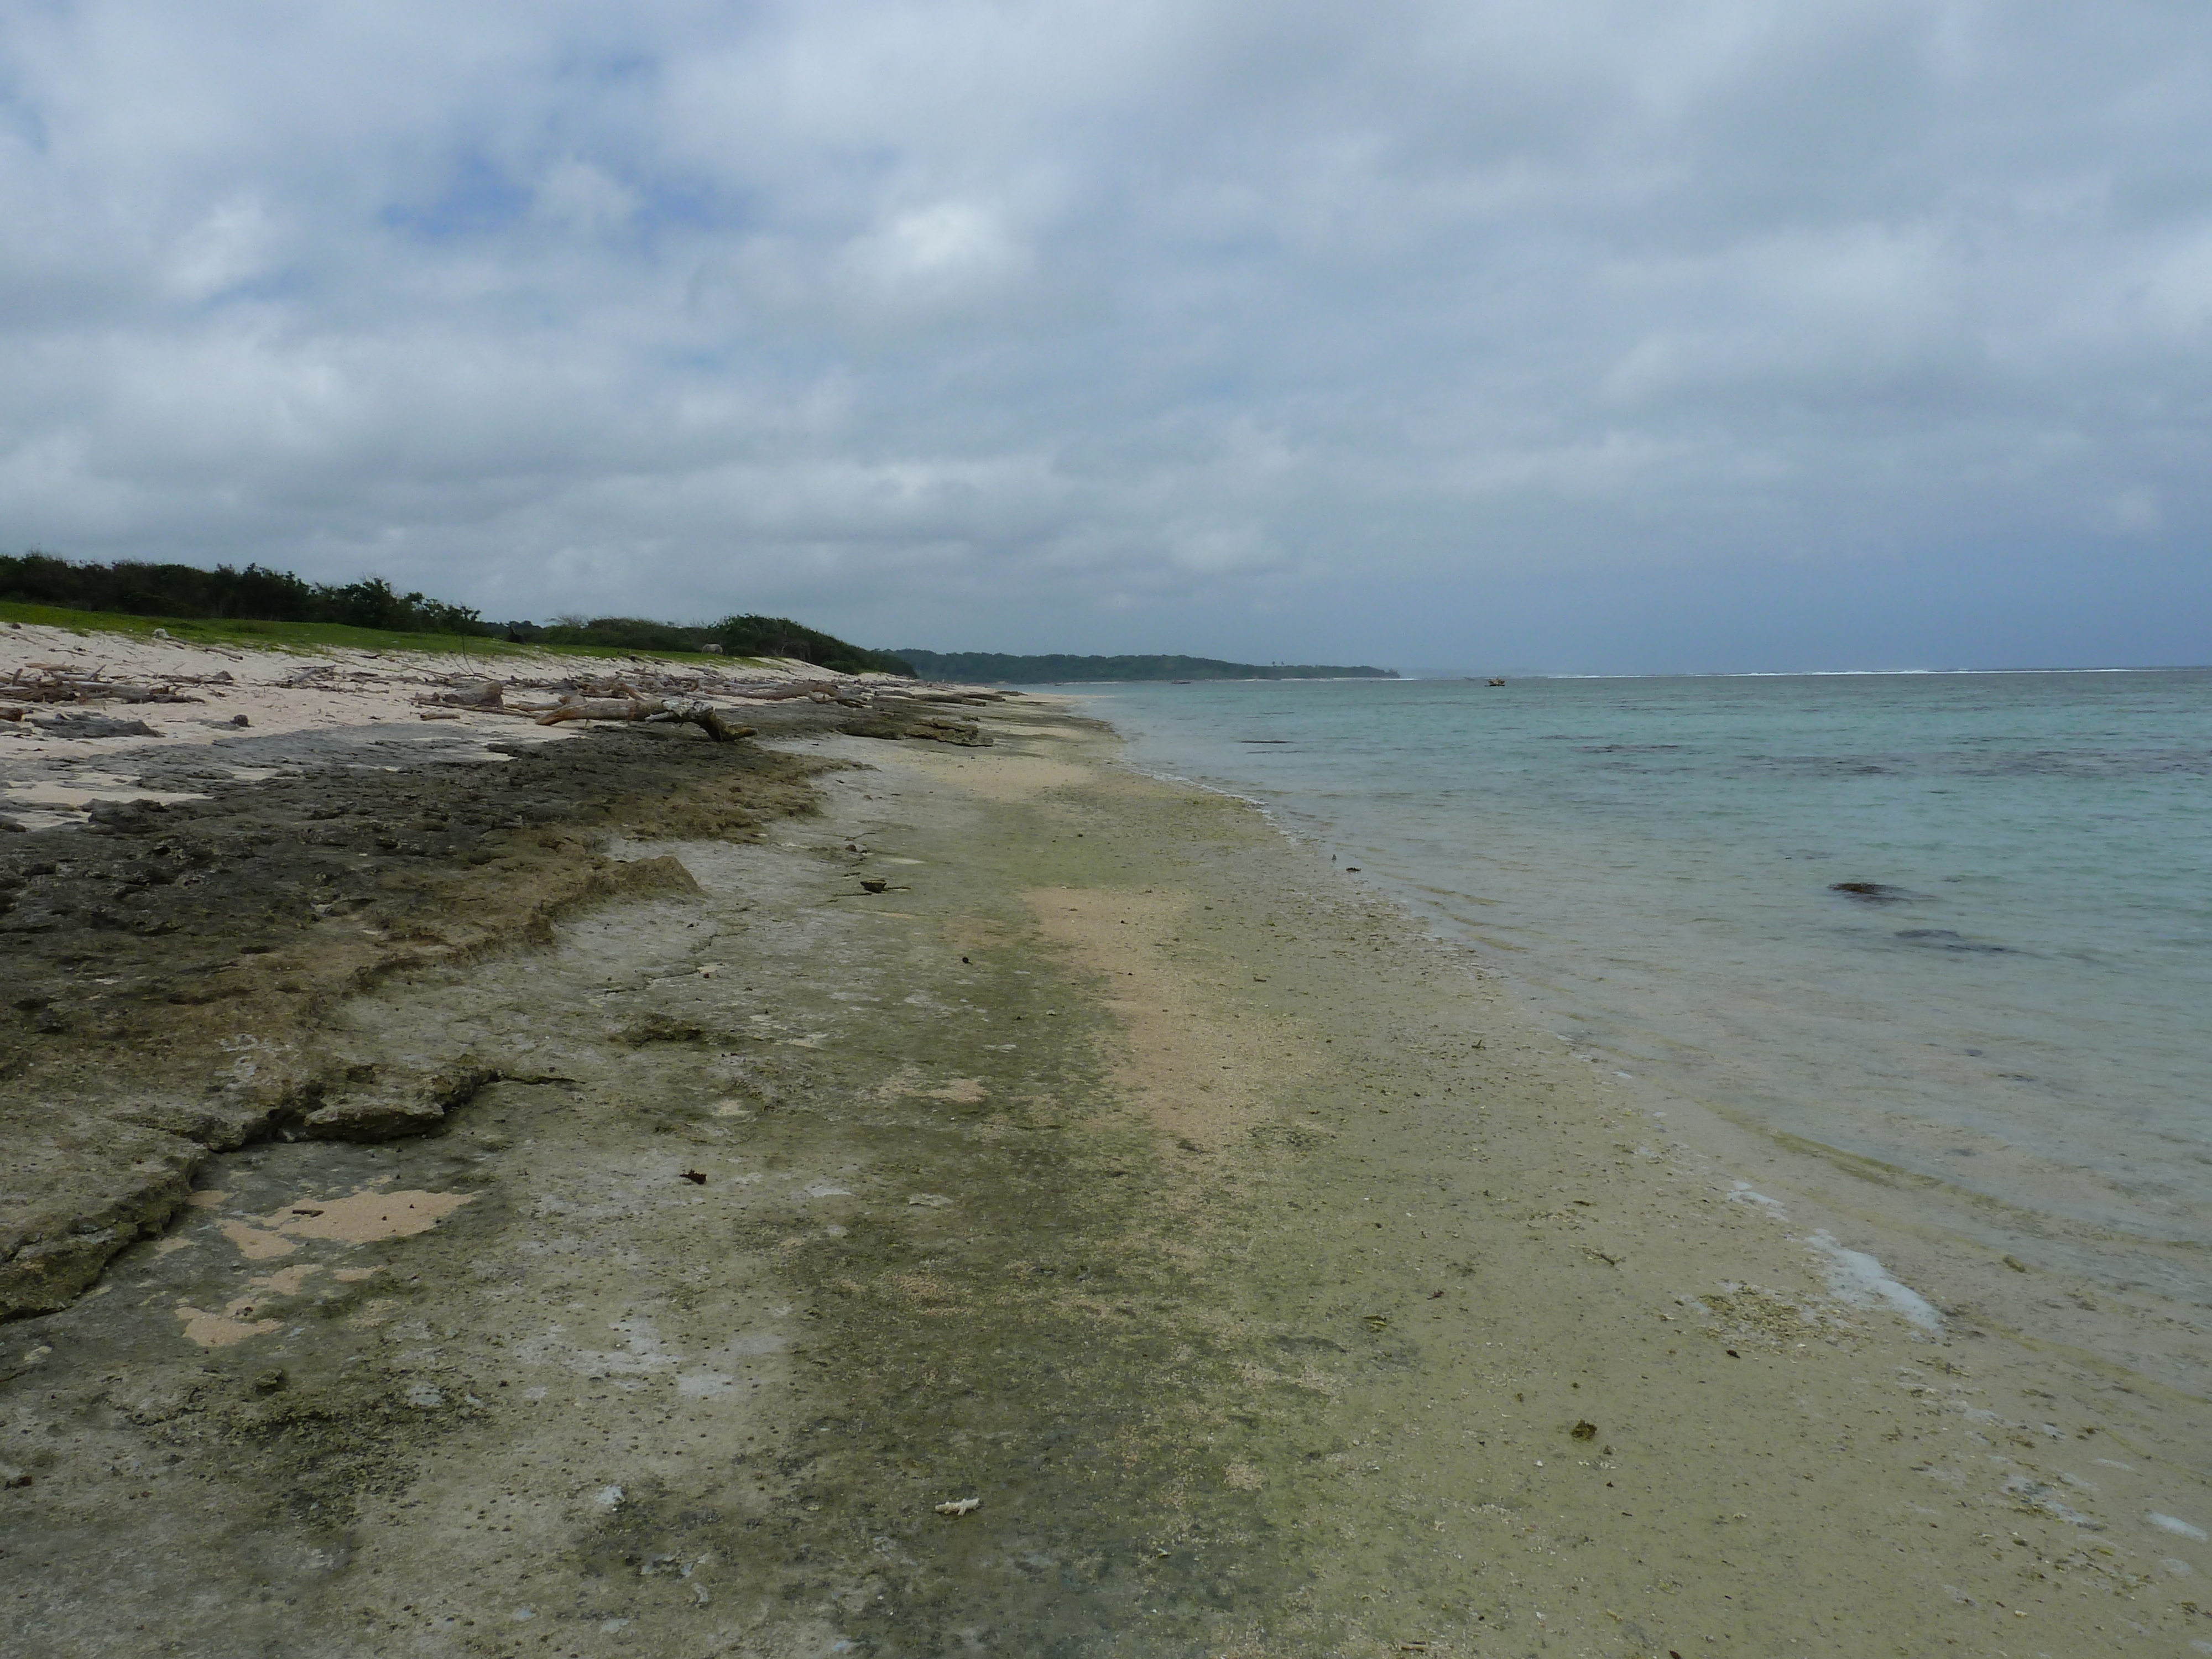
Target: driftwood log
x,y
687,710
941,697
820,689
75,688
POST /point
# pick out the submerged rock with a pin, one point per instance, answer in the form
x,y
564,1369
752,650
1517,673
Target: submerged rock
x,y
1942,938
1870,892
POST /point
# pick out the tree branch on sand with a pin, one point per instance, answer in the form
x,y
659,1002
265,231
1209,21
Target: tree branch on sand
x,y
688,711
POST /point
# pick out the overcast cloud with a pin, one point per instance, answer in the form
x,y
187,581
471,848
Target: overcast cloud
x,y
1572,334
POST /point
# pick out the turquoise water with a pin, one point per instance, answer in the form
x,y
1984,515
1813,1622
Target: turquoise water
x,y
2023,1013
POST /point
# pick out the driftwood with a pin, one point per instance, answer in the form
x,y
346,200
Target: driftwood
x,y
820,689
938,696
73,686
480,694
686,710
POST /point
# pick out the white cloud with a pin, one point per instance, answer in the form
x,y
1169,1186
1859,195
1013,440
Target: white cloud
x,y
1001,322
584,198
944,255
229,247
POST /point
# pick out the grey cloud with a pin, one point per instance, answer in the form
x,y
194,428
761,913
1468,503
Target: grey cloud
x,y
1416,332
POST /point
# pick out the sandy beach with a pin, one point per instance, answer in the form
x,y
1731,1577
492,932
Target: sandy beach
x,y
598,1191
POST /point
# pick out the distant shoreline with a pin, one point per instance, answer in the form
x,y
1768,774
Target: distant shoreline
x,y
1006,668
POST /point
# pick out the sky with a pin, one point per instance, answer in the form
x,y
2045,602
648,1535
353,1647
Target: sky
x,y
1579,335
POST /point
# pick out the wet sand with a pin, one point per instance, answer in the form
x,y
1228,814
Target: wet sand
x,y
1270,1281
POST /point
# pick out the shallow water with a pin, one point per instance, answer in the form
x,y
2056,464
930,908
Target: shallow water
x,y
2017,1008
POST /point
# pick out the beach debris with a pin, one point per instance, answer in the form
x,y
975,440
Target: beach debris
x,y
690,711
697,1178
439,714
960,1506
1584,1429
930,1200
785,692
2015,1264
873,884
479,693
42,682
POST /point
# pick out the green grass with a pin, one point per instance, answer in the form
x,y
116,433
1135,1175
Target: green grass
x,y
316,637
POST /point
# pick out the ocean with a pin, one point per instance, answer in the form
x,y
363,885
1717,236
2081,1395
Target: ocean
x,y
1950,934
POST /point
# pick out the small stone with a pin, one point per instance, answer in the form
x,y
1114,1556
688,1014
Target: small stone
x,y
268,1381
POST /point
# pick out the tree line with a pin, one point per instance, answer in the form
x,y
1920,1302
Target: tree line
x,y
259,594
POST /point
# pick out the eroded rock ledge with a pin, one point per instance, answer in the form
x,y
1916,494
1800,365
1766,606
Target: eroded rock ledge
x,y
170,966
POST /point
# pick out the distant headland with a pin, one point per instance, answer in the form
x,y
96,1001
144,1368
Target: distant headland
x,y
999,668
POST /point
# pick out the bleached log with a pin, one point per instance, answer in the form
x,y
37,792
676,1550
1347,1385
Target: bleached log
x,y
783,693
688,710
599,709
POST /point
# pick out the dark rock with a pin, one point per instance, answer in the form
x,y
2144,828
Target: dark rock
x,y
1870,892
391,1106
659,1028
1942,938
122,814
94,725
